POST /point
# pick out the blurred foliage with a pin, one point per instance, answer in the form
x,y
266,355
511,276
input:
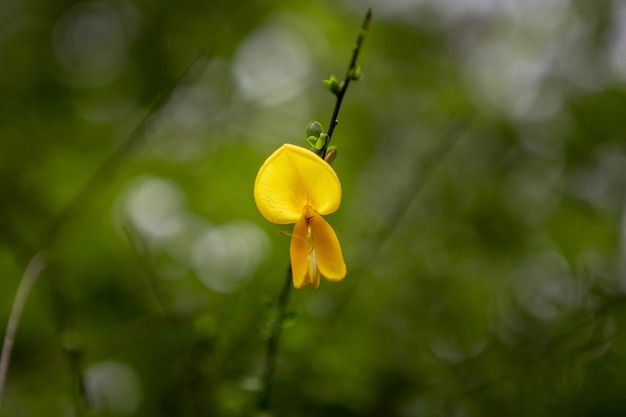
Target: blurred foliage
x,y
483,163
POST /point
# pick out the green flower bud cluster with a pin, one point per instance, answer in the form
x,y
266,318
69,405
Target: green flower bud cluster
x,y
316,136
318,140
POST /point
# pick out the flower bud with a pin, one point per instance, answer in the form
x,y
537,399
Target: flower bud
x,y
321,142
355,73
331,154
333,85
314,129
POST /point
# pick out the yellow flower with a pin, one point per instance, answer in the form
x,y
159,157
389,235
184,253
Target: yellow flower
x,y
294,185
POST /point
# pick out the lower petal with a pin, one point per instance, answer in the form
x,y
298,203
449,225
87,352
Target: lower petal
x,y
327,248
313,272
299,252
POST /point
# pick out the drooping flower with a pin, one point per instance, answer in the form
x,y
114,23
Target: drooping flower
x,y
294,185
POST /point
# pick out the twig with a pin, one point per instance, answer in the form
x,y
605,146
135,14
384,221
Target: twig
x,y
33,269
265,398
348,78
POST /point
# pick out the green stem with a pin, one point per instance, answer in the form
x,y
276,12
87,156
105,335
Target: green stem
x,y
347,79
265,398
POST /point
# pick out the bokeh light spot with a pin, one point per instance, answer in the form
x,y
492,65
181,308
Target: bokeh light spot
x,y
225,256
271,66
113,387
155,206
91,43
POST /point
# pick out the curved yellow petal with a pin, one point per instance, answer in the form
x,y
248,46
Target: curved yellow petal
x,y
327,248
299,252
291,179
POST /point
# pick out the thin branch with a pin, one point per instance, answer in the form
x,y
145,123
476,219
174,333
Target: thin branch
x,y
265,397
33,269
349,76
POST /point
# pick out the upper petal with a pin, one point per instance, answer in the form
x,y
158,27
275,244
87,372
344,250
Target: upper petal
x,y
327,248
291,179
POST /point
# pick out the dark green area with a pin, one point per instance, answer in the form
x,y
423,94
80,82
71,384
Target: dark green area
x,y
482,157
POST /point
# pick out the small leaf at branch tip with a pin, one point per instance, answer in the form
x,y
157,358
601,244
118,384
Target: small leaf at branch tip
x,y
332,84
314,129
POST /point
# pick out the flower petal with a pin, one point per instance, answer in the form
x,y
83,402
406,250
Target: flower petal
x,y
327,249
291,179
299,253
313,271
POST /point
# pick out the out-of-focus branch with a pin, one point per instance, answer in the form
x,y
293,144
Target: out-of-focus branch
x,y
33,269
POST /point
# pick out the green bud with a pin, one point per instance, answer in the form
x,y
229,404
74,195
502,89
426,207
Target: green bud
x,y
355,73
321,142
312,140
331,154
314,129
333,85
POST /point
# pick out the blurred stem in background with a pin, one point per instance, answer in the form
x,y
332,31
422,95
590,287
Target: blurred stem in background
x,y
62,302
33,269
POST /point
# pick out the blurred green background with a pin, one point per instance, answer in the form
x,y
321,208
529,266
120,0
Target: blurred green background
x,y
483,164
